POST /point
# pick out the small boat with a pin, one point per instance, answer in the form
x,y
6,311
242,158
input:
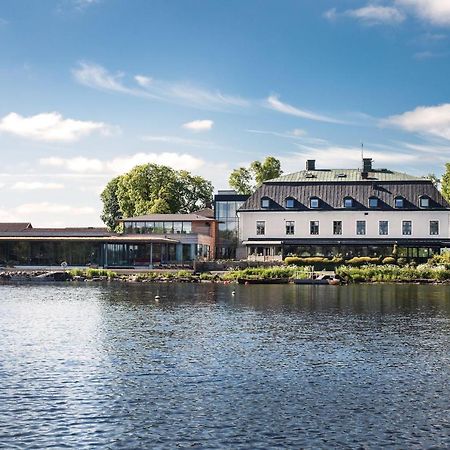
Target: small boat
x,y
315,278
263,280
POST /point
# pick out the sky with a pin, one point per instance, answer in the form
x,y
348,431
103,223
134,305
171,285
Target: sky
x,y
91,88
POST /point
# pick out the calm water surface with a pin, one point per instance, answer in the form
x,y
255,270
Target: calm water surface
x,y
270,367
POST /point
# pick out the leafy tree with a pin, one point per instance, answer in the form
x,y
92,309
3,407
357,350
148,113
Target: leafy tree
x,y
245,181
445,182
240,180
268,169
111,209
154,189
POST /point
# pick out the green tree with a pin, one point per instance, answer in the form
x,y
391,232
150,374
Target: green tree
x,y
154,189
445,182
111,209
266,170
241,181
245,181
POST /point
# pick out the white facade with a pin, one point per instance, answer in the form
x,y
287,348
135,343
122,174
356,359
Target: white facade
x,y
275,224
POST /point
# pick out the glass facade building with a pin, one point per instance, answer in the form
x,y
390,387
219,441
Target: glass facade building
x,y
226,205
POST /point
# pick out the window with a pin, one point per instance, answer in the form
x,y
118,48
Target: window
x,y
314,227
360,227
265,203
383,228
424,202
290,203
434,227
187,227
314,202
348,202
260,227
337,227
290,227
399,202
373,202
406,228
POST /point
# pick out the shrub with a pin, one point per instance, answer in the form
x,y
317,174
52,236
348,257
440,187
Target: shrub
x,y
361,260
389,260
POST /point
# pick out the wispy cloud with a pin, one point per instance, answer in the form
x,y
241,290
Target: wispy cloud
x,y
437,12
179,141
97,77
51,127
198,126
297,135
3,22
371,14
425,120
273,102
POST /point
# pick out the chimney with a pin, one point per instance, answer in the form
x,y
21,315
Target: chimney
x,y
310,164
367,165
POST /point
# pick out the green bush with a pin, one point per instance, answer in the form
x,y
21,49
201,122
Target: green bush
x,y
389,260
92,273
362,260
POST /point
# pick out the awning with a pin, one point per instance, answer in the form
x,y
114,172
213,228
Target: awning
x,y
261,242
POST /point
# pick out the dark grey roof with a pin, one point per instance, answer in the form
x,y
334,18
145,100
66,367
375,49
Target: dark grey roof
x,y
344,175
332,195
14,226
58,232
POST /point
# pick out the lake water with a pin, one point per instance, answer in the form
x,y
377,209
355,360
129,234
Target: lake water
x,y
270,367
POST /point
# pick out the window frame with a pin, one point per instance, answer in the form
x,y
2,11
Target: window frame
x,y
399,198
424,198
289,199
263,200
335,222
314,199
380,233
377,200
352,204
260,228
290,227
403,227
438,227
363,222
314,225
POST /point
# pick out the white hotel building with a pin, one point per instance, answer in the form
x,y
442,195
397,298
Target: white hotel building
x,y
347,212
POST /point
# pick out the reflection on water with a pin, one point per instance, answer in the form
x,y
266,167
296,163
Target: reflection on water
x,y
268,367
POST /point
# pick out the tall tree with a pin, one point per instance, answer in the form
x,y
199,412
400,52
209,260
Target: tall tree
x,y
245,181
434,179
241,181
155,189
111,209
445,182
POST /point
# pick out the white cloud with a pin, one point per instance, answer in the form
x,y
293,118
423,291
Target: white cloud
x,y
436,12
97,77
123,164
370,14
428,120
35,185
51,127
273,102
143,81
198,125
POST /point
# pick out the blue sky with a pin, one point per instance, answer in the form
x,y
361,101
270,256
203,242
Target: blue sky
x,y
89,88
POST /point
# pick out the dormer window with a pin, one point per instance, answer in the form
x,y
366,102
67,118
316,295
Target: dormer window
x,y
348,202
424,202
399,202
265,203
290,203
314,202
373,202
